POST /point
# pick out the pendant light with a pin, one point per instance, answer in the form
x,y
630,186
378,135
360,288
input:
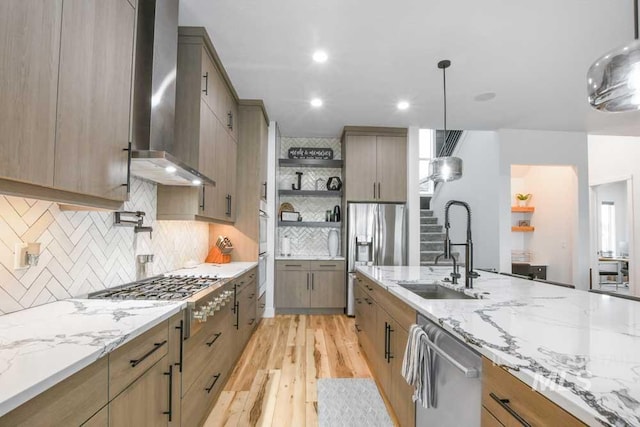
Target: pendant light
x,y
447,168
613,81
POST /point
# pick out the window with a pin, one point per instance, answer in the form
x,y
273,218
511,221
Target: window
x,y
607,228
426,153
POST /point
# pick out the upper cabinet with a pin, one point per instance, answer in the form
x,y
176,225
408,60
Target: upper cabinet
x,y
206,133
30,40
65,99
375,164
94,97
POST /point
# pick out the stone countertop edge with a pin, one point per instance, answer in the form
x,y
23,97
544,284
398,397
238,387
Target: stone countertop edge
x,y
526,376
33,390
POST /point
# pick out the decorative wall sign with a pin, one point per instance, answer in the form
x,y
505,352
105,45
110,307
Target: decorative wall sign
x,y
310,153
334,183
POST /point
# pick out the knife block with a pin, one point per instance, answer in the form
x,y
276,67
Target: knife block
x,y
217,257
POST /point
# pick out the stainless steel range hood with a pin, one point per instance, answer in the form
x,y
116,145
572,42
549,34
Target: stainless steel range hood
x,y
154,97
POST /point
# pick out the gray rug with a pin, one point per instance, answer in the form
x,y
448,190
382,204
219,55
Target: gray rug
x,y
351,402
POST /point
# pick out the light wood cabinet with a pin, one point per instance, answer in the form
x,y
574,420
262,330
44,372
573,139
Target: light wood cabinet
x,y
383,322
94,97
176,359
70,402
375,164
146,401
315,285
505,399
101,419
29,58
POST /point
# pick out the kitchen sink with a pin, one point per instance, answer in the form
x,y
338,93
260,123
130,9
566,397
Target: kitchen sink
x,y
434,291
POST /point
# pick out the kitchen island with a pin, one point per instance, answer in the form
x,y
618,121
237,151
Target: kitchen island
x,y
580,350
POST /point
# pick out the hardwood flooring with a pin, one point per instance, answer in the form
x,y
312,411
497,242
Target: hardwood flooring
x,y
274,382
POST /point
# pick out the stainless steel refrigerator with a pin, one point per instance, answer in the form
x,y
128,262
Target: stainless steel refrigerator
x,y
376,235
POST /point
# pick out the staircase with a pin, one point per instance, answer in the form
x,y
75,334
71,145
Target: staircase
x,y
431,239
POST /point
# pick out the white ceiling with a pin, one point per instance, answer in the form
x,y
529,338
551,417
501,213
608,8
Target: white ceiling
x,y
533,54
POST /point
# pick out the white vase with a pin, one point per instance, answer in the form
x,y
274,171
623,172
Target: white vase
x,y
333,242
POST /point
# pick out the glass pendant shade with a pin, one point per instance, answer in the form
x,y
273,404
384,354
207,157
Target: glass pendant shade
x,y
613,81
445,169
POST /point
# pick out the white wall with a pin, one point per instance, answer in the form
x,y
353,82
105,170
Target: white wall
x,y
413,195
611,159
479,187
528,147
272,148
554,191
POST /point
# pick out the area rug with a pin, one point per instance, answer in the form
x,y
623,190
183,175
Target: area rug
x,y
351,402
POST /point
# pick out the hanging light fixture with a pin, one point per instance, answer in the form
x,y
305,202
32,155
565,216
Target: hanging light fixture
x,y
447,168
613,81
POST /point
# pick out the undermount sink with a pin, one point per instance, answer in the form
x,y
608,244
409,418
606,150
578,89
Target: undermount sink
x,y
434,291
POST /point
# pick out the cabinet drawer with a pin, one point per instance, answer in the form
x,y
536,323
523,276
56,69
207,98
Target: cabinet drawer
x,y
132,359
70,402
531,406
488,420
101,419
203,347
199,399
262,303
293,265
327,265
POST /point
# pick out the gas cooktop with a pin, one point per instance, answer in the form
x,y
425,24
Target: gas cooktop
x,y
159,287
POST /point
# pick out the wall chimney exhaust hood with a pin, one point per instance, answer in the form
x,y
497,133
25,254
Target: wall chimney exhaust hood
x,y
154,98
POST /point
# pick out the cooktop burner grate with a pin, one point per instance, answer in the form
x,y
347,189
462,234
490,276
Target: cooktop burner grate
x,y
161,288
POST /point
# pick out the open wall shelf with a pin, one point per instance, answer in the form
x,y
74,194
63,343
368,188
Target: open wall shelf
x,y
316,224
523,229
310,163
310,193
526,209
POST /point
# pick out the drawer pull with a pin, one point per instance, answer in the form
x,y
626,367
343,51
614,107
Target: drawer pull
x,y
293,265
215,338
251,322
328,265
156,346
216,377
170,411
181,330
504,403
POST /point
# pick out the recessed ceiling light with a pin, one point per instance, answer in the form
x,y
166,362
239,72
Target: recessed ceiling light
x,y
196,182
320,56
170,169
316,102
487,96
403,105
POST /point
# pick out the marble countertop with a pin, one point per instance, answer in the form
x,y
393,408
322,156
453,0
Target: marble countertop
x,y
309,258
222,271
41,346
580,349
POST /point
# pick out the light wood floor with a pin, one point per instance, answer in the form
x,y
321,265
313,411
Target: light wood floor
x,y
274,382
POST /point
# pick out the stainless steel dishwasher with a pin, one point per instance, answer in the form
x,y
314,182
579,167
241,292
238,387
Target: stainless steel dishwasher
x,y
458,385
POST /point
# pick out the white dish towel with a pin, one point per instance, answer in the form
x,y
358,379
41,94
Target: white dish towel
x,y
418,365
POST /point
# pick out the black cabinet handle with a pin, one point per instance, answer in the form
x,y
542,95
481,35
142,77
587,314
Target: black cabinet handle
x,y
251,296
202,204
206,83
237,324
504,403
128,183
230,120
389,354
170,411
329,265
313,280
251,322
385,341
155,348
264,184
228,212
215,338
215,380
293,265
367,301
181,329
374,190
379,197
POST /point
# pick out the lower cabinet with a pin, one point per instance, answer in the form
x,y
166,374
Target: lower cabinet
x,y
382,323
508,401
310,285
147,401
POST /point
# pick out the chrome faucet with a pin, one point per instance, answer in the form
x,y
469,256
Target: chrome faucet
x,y
455,275
469,274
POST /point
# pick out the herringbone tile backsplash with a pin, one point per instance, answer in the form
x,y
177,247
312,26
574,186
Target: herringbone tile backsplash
x,y
82,251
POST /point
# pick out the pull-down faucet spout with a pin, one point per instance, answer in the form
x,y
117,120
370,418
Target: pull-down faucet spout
x,y
468,265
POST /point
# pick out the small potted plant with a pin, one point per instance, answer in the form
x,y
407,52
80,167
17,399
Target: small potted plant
x,y
523,199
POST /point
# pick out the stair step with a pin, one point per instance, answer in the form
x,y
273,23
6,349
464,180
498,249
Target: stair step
x,y
430,228
427,220
432,246
430,256
431,237
425,212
